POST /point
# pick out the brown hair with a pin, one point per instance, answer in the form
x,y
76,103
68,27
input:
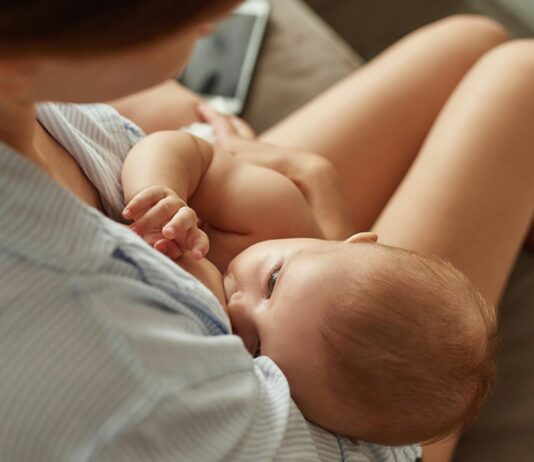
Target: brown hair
x,y
85,27
413,347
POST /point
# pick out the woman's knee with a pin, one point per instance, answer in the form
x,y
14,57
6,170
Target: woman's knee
x,y
510,65
466,37
513,54
474,29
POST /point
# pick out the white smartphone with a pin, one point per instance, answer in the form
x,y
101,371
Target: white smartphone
x,y
223,63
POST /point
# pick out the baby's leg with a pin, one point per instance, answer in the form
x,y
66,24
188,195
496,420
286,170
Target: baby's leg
x,y
469,196
372,124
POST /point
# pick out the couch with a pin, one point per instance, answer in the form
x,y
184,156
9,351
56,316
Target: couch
x,y
301,57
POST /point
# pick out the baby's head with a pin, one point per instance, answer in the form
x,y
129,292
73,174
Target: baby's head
x,y
377,343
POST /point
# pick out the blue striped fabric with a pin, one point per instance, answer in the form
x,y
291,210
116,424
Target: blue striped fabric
x,y
109,351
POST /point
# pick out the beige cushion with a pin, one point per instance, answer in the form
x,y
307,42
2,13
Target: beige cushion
x,y
505,431
302,56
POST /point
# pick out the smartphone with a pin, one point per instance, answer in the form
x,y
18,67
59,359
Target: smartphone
x,y
223,63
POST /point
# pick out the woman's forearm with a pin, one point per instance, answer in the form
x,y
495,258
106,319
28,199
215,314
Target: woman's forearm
x,y
168,106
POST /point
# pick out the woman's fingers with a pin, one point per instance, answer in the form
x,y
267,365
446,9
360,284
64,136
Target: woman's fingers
x,y
229,131
220,123
242,129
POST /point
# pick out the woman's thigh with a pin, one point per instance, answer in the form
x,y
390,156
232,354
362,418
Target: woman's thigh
x,y
372,124
469,196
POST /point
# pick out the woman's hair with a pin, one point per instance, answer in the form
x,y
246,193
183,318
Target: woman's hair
x,y
68,27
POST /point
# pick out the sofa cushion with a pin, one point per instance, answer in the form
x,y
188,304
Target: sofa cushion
x,y
505,431
300,58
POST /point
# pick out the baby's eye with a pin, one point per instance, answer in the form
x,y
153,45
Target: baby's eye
x,y
271,282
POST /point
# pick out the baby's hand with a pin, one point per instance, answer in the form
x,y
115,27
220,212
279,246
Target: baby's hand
x,y
166,222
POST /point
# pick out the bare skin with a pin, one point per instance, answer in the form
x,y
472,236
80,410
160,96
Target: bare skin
x,y
432,217
477,161
461,122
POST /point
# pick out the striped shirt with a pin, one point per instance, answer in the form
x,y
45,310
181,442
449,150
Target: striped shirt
x,y
111,352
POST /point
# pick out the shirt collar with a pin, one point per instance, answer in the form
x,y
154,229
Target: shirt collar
x,y
46,223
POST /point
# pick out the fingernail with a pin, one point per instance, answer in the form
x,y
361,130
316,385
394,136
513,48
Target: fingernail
x,y
127,214
170,231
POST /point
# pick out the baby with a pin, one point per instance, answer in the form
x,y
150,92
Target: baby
x,y
375,341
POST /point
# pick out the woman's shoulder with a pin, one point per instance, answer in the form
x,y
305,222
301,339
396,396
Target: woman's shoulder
x,y
98,138
99,121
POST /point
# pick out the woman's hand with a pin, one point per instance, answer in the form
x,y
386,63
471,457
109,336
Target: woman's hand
x,y
314,175
234,135
166,222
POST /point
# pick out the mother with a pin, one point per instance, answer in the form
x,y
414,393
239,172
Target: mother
x,y
109,352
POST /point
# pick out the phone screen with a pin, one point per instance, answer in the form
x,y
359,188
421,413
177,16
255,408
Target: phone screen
x,y
215,67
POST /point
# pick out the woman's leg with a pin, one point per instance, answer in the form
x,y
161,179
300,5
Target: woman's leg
x,y
469,196
372,124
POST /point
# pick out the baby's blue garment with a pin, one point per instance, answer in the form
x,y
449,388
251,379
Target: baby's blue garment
x,y
111,352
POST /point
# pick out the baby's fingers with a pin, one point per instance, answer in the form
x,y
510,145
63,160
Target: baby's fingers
x,y
144,201
183,229
157,216
198,243
179,225
169,248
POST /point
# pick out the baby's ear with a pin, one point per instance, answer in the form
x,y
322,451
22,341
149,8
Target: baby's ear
x,y
362,237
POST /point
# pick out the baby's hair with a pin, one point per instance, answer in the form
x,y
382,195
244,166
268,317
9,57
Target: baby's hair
x,y
86,27
412,346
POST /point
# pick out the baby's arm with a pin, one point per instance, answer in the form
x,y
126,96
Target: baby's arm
x,y
245,203
241,203
169,158
159,174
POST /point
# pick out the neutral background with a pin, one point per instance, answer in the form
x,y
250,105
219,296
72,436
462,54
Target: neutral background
x,y
371,25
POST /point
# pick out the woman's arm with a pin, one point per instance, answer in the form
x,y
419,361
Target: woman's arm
x,y
167,106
